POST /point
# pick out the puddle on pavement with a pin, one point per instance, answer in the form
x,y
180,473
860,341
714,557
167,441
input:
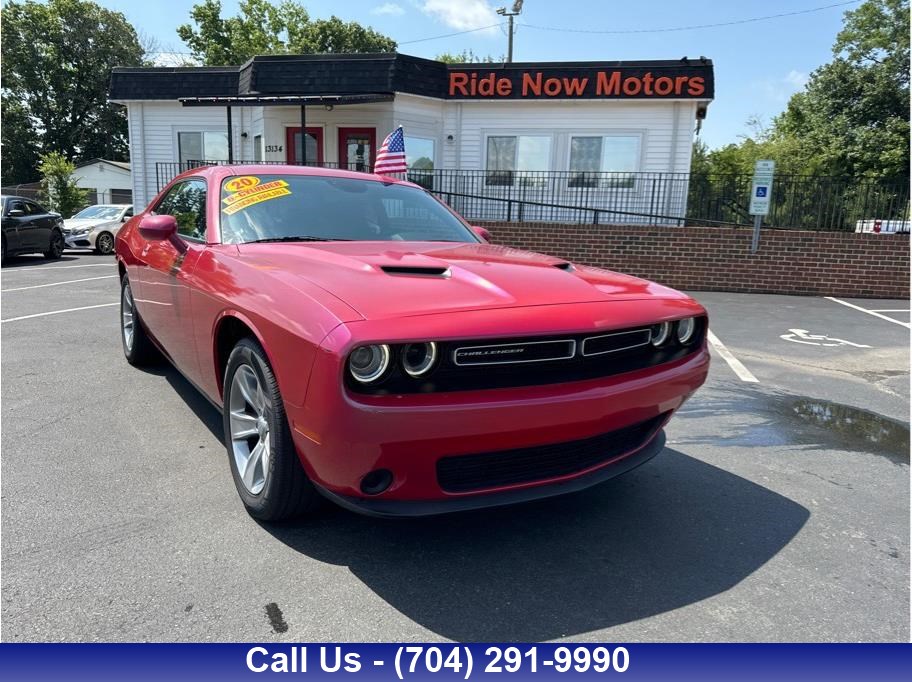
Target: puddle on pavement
x,y
871,431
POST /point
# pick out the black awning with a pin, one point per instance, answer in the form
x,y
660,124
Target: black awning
x,y
284,100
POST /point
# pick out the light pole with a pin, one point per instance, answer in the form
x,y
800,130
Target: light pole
x,y
514,11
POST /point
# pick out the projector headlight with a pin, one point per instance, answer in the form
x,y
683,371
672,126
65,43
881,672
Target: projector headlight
x,y
418,358
686,329
369,363
660,333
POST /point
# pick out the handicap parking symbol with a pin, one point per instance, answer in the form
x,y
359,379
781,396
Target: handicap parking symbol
x,y
761,192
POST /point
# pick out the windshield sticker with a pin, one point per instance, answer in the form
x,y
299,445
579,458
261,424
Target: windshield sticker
x,y
258,189
238,203
243,182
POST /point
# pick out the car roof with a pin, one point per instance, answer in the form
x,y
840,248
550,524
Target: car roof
x,y
220,172
16,196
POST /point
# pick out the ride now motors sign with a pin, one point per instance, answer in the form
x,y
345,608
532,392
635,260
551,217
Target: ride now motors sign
x,y
667,81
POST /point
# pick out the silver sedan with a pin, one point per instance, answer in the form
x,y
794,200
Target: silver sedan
x,y
94,227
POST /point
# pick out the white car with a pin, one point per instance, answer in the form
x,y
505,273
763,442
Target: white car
x,y
94,227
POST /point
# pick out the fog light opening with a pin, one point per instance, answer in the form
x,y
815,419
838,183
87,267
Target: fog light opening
x,y
376,481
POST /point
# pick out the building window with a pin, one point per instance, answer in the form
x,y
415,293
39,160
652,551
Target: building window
x,y
419,157
208,146
507,154
257,147
604,161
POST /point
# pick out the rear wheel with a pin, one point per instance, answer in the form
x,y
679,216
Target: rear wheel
x,y
264,463
137,347
104,243
55,248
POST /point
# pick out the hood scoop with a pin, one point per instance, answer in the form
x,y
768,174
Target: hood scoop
x,y
416,270
566,267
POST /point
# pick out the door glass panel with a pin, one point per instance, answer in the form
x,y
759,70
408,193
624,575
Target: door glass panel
x,y
311,148
356,151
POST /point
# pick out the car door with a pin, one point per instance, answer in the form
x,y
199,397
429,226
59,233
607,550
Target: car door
x,y
11,224
40,226
165,278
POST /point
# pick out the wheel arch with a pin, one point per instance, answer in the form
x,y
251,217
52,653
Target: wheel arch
x,y
230,327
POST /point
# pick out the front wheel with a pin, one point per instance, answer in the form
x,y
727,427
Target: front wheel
x,y
104,244
55,248
264,463
137,347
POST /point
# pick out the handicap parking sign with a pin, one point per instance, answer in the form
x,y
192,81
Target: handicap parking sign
x,y
761,191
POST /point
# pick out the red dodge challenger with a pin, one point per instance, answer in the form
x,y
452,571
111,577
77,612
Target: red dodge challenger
x,y
365,344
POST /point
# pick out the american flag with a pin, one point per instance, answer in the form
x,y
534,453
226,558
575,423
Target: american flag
x,y
391,155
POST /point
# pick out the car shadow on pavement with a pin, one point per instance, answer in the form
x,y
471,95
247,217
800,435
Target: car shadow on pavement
x,y
671,533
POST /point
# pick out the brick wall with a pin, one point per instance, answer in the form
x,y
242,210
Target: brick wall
x,y
719,259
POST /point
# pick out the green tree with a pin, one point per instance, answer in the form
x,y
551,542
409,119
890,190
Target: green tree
x,y
466,57
58,186
261,27
853,117
57,57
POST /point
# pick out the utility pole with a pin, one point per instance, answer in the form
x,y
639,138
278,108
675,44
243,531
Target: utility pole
x,y
516,10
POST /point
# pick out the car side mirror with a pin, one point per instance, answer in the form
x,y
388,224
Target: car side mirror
x,y
16,213
158,228
125,218
483,233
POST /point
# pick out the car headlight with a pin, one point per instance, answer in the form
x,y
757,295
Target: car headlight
x,y
660,333
80,231
418,358
686,329
369,363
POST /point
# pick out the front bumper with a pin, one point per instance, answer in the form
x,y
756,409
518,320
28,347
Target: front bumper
x,y
80,241
341,437
377,506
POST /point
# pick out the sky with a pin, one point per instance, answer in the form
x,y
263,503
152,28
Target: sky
x,y
758,65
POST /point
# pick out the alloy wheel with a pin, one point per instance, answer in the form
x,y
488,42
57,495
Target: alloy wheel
x,y
105,243
126,316
248,421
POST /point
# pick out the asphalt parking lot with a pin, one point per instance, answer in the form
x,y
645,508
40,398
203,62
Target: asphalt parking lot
x,y
778,511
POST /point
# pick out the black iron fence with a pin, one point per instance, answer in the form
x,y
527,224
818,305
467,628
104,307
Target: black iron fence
x,y
798,202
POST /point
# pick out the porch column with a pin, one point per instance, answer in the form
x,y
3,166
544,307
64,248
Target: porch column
x,y
230,137
303,135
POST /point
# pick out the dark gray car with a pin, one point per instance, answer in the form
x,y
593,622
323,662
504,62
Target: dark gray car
x,y
30,228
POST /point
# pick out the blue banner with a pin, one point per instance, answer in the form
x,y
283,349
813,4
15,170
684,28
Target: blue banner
x,y
389,662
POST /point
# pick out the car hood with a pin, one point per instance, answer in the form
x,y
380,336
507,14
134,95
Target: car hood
x,y
73,223
395,279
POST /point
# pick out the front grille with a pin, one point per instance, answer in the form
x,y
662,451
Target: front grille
x,y
484,364
465,473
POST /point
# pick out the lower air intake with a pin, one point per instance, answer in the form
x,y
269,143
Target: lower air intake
x,y
465,473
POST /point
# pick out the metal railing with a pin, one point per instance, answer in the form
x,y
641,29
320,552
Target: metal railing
x,y
799,202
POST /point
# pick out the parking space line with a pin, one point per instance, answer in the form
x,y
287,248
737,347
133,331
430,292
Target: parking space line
x,y
8,271
57,284
58,312
744,374
889,310
907,325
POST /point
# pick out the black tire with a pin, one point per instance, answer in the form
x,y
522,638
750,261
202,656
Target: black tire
x,y
56,246
104,244
141,351
287,491
3,254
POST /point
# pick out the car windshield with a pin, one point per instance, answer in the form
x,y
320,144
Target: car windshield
x,y
99,212
313,207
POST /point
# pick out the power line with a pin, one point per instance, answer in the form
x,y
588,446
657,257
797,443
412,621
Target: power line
x,y
448,35
690,28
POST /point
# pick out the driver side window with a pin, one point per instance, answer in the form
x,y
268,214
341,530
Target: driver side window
x,y
186,201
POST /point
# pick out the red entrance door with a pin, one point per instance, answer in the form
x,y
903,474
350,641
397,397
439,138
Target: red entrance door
x,y
357,148
293,148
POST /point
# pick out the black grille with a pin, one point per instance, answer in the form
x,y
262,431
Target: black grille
x,y
595,355
466,473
